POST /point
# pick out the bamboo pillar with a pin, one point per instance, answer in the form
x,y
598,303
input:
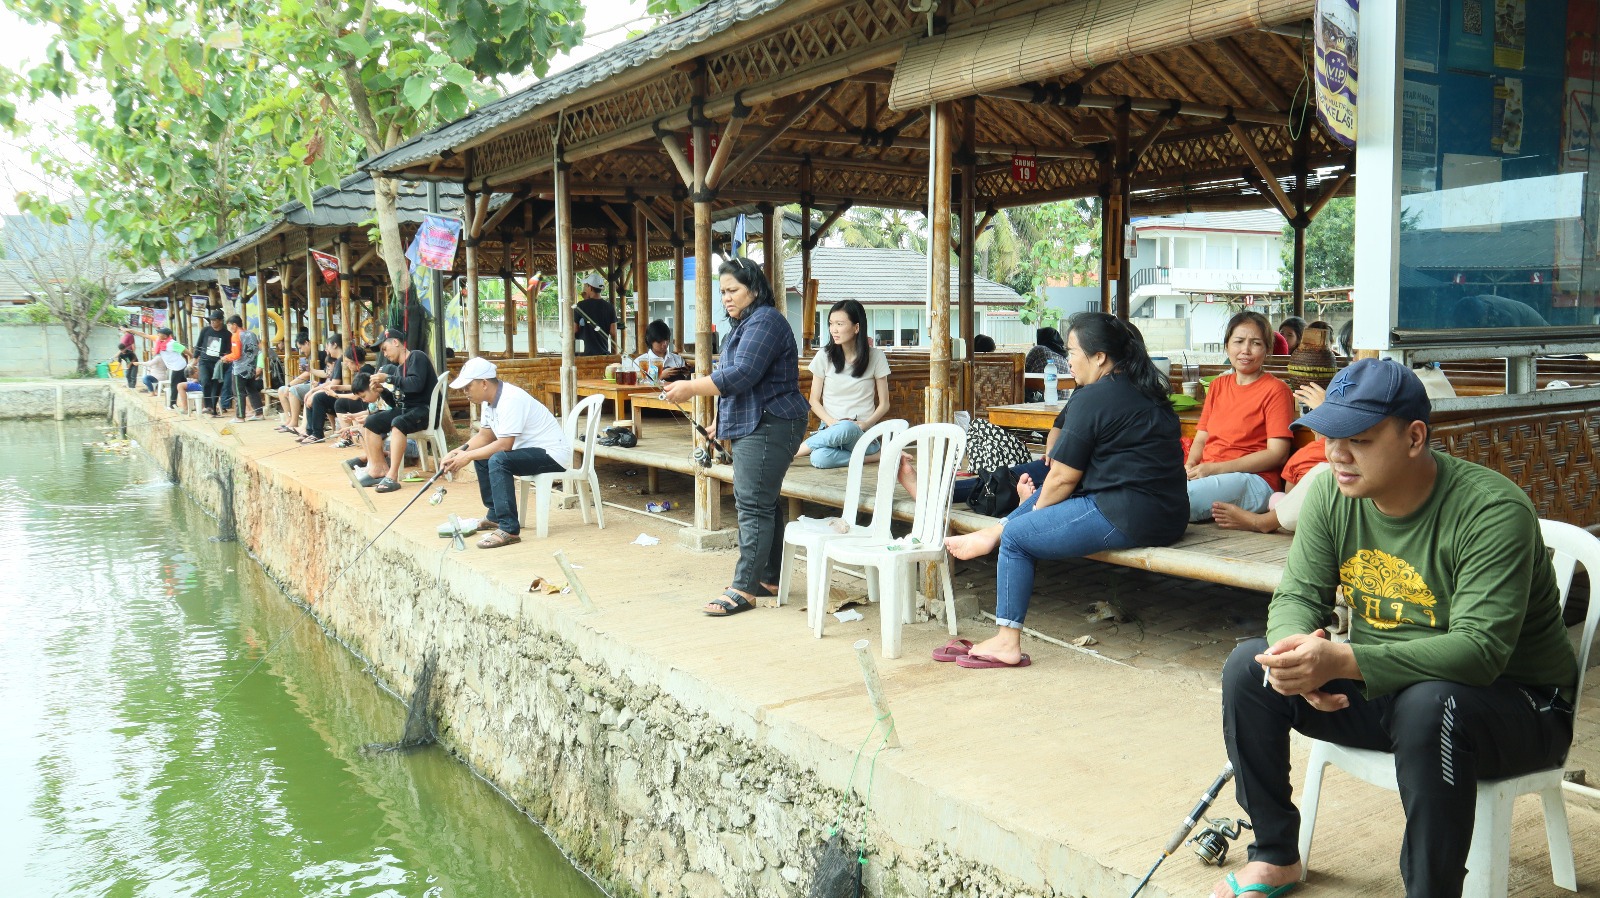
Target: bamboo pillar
x,y
969,220
567,283
531,294
1301,219
283,296
1107,264
943,152
261,300
472,225
346,333
509,307
1119,236
772,252
641,278
313,298
808,314
707,492
677,273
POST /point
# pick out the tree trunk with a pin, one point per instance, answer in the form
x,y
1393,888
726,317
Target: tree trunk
x,y
386,195
78,330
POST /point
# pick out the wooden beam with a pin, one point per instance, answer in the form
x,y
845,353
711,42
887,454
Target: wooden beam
x,y
652,218
1173,81
830,112
680,160
1146,141
1204,65
937,402
1053,97
622,226
857,138
368,256
1248,144
834,216
765,139
984,222
719,161
501,213
1329,192
1255,180
1253,73
1093,74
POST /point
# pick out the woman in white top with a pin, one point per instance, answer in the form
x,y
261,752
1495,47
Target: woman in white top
x,y
849,387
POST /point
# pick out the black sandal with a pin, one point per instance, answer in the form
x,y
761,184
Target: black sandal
x,y
733,604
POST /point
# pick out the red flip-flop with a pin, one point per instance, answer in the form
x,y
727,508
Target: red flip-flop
x,y
952,650
987,662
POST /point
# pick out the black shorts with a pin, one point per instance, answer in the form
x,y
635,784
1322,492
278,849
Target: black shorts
x,y
406,420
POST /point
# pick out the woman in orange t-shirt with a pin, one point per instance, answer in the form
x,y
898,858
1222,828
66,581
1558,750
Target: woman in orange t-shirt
x,y
1243,437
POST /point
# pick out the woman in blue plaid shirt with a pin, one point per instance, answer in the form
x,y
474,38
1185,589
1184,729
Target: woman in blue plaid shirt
x,y
760,409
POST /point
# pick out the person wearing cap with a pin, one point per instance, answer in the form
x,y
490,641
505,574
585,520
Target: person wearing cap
x,y
246,371
595,322
211,344
414,385
1457,661
175,356
163,367
518,437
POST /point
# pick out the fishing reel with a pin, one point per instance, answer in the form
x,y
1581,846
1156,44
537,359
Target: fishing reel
x,y
438,495
705,456
1211,844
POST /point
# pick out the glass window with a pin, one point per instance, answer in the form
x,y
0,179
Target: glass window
x,y
1219,253
1187,252
1498,205
1252,254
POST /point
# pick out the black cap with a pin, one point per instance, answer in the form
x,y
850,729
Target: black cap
x,y
392,333
216,315
164,331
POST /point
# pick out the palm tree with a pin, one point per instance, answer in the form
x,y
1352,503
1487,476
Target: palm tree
x,y
884,229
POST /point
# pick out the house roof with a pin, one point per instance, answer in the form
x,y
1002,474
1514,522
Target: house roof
x,y
873,276
14,282
1260,221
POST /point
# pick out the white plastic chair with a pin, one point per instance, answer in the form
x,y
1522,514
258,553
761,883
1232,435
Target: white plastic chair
x,y
580,478
938,449
1489,858
796,537
430,441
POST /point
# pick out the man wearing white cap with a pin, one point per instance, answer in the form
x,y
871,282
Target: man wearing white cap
x,y
595,322
518,437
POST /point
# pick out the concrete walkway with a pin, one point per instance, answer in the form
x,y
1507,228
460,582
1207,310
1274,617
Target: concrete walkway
x,y
1064,778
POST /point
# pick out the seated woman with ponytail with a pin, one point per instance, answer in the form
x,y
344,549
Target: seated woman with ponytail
x,y
1115,481
849,388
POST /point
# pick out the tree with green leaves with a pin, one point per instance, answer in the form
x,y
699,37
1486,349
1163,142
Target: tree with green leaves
x,y
379,75
871,226
70,268
1330,247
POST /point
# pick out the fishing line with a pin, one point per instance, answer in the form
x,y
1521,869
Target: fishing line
x,y
329,585
701,455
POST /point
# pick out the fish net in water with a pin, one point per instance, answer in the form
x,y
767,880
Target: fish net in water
x,y
419,718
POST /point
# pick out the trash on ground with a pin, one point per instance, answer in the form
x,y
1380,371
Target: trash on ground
x,y
658,507
839,596
1103,610
645,539
847,615
546,586
1084,641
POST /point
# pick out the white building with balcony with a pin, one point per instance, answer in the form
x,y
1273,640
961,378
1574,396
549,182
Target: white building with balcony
x,y
1181,257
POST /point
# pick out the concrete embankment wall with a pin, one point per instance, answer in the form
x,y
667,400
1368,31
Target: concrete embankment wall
x,y
654,780
55,399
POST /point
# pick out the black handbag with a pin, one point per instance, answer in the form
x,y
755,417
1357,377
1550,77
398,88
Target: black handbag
x,y
995,493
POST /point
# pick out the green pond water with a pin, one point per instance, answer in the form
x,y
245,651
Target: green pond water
x,y
138,758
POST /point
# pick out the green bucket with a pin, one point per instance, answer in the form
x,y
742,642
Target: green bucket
x,y
102,370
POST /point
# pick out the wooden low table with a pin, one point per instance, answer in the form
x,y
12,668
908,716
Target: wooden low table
x,y
1041,415
621,396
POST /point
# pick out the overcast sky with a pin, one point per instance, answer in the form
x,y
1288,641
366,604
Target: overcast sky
x,y
608,24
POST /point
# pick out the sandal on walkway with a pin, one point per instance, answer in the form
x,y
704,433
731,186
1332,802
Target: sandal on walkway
x,y
497,539
952,650
989,662
1255,888
386,485
730,602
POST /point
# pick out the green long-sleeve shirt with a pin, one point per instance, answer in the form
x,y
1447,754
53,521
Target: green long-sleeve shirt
x,y
1460,590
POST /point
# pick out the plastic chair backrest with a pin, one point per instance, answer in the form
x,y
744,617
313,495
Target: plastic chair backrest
x,y
852,484
590,406
436,405
1574,546
939,448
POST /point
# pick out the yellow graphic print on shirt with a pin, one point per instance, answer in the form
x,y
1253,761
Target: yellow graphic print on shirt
x,y
1386,591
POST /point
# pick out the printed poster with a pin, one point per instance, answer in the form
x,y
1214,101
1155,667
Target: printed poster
x,y
1422,35
230,293
436,241
1471,42
1419,137
1336,68
328,265
1505,127
160,318
1510,33
199,300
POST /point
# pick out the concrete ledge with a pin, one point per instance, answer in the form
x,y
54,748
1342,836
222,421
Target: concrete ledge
x,y
698,540
56,399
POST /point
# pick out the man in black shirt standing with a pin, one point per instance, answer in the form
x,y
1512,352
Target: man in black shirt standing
x,y
214,342
595,321
414,386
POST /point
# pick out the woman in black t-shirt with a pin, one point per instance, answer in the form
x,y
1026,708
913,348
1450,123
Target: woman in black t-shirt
x,y
1115,481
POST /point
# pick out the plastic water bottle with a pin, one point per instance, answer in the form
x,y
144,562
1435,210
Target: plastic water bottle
x,y
1051,376
655,371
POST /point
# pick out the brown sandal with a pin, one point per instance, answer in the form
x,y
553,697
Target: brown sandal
x,y
497,539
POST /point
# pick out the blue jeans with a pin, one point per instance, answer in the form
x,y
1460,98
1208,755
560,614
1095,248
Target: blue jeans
x,y
831,446
1248,491
1070,529
497,488
761,458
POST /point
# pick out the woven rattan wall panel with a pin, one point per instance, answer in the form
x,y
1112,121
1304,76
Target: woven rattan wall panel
x,y
1059,177
997,379
646,102
1550,454
809,42
515,148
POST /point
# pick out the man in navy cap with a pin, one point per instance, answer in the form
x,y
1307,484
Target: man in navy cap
x,y
414,385
1457,662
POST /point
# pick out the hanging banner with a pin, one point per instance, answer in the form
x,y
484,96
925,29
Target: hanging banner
x,y
1024,168
147,315
161,318
1510,33
329,265
436,242
230,293
1336,68
199,300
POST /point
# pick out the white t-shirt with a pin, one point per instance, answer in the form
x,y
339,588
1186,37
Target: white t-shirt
x,y
845,396
527,422
671,360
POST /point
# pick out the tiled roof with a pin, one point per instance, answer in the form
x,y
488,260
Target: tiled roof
x,y
687,30
1259,220
870,275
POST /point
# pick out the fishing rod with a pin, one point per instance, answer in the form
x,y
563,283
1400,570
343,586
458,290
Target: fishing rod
x,y
702,455
306,609
1188,824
